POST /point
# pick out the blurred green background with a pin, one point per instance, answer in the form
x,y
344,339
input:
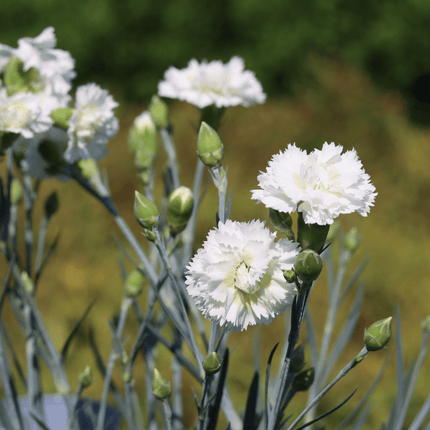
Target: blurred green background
x,y
352,73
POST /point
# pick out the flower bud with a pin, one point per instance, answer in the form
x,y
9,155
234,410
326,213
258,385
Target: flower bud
x,y
180,207
61,116
311,236
425,325
298,359
290,276
352,240
134,284
88,167
51,205
304,380
308,265
378,334
28,283
159,112
16,191
282,223
212,363
209,146
86,377
160,386
145,211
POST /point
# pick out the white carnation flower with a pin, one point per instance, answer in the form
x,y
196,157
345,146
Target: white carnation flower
x,y
236,278
26,113
92,124
213,83
321,185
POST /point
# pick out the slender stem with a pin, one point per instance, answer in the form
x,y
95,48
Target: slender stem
x,y
167,413
169,147
342,373
41,243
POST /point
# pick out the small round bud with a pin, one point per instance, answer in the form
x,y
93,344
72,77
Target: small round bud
x,y
298,359
134,284
159,112
51,205
29,284
180,207
352,240
209,146
290,276
89,168
311,236
61,116
378,334
425,325
212,363
16,191
160,386
145,211
308,265
304,380
86,377
282,223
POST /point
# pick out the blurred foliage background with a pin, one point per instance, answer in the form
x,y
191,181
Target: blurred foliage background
x,y
356,73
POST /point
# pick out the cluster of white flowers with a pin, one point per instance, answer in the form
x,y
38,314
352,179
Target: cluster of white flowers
x,y
236,278
321,185
213,83
37,80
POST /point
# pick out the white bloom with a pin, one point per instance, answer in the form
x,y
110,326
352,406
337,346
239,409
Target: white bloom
x,y
25,113
236,278
213,83
321,185
92,124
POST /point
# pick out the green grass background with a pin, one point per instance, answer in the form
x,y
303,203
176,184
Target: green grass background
x,y
326,99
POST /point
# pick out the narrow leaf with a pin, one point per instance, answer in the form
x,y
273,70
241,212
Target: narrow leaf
x,y
266,384
251,404
421,416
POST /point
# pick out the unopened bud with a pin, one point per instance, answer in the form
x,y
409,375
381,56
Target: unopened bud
x,y
86,377
180,207
212,363
160,386
378,334
290,276
209,145
159,112
16,191
282,223
51,205
88,167
134,283
308,265
61,116
425,325
352,240
145,211
28,283
304,380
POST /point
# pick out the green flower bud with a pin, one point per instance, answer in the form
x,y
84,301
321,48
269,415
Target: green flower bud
x,y
89,168
160,386
425,325
352,240
282,223
209,146
308,265
212,363
159,112
290,276
378,334
51,205
304,380
180,207
145,211
311,236
143,140
28,283
86,377
134,284
61,116
298,359
16,191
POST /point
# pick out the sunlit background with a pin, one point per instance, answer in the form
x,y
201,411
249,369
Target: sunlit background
x,y
356,73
